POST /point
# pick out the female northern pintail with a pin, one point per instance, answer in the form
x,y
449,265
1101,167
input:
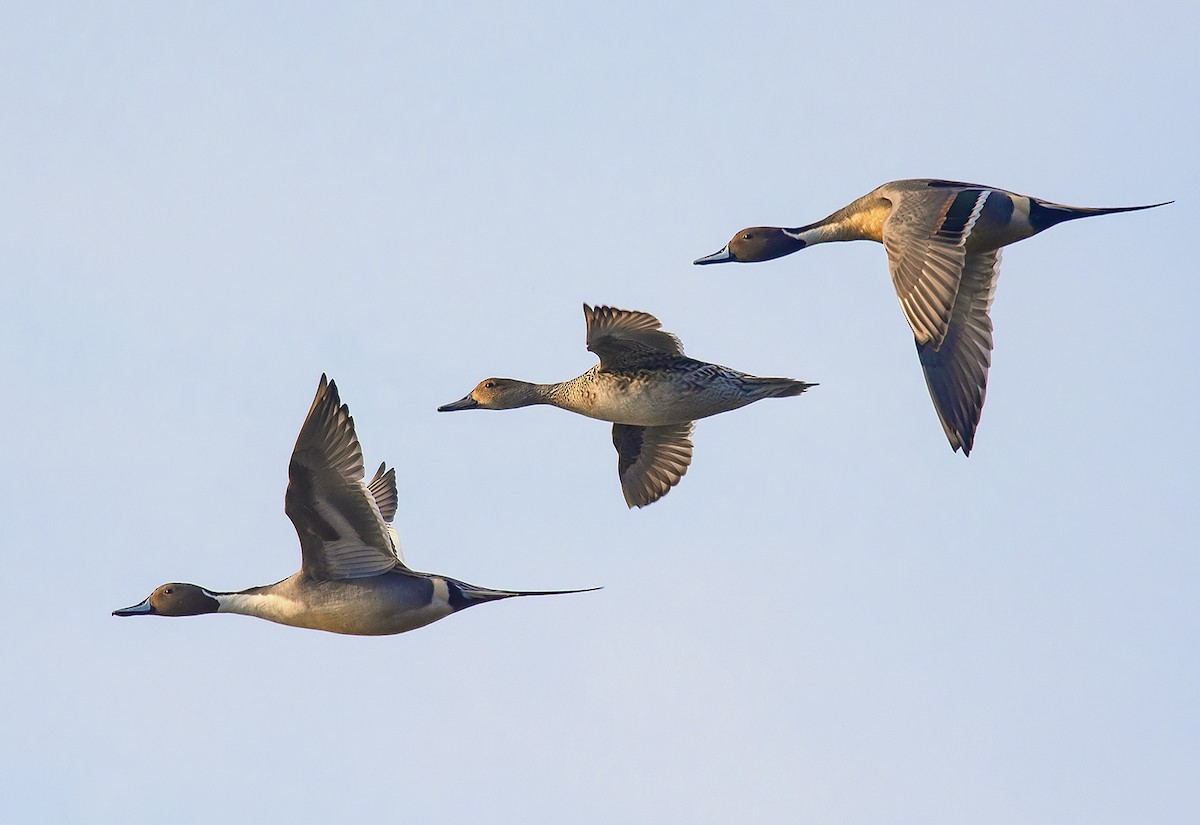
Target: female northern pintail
x,y
943,243
352,576
649,390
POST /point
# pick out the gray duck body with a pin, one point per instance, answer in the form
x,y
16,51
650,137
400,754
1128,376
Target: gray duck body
x,y
660,391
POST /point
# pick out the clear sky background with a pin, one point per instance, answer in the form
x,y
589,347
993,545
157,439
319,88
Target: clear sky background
x,y
833,619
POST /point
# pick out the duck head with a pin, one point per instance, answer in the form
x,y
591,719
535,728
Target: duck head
x,y
755,243
497,394
174,599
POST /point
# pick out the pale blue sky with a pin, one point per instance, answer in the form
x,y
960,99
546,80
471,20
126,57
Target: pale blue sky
x,y
833,619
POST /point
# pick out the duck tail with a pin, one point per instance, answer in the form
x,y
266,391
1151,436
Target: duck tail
x,y
478,595
1044,214
776,387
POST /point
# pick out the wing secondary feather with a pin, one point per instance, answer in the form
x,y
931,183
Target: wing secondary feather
x,y
341,522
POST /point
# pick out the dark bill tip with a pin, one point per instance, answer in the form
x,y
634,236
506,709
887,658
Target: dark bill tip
x,y
467,403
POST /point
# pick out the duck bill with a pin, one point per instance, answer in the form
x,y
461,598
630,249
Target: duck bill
x,y
467,403
716,258
144,608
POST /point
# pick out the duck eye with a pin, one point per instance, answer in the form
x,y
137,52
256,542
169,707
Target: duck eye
x,y
747,236
489,385
168,591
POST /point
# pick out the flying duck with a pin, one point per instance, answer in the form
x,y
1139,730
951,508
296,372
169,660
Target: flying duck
x,y
352,576
943,242
647,387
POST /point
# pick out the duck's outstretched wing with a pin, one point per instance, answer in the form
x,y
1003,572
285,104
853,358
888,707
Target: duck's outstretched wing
x,y
624,339
957,371
925,237
651,460
340,521
383,490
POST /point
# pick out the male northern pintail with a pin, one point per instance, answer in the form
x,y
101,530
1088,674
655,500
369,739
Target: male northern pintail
x,y
943,244
352,576
649,390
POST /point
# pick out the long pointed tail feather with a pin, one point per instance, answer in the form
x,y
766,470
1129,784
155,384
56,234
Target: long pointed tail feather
x,y
1044,214
488,594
